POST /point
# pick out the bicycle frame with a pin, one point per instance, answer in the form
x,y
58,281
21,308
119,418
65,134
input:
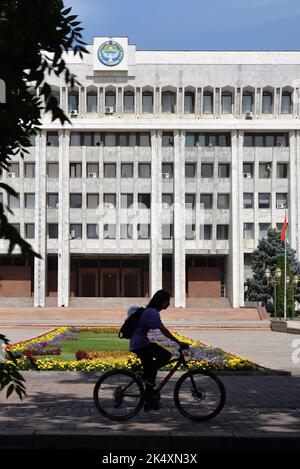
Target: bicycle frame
x,y
180,361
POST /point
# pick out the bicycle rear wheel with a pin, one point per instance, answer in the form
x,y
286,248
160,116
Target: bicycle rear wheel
x,y
199,395
118,394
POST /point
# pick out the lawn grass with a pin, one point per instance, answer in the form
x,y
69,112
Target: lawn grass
x,y
92,341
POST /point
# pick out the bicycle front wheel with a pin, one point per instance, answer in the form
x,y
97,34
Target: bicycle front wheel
x,y
199,395
118,394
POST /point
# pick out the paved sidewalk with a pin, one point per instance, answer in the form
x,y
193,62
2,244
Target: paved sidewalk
x,y
59,413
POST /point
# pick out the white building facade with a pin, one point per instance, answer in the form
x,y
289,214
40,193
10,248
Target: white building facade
x,y
174,165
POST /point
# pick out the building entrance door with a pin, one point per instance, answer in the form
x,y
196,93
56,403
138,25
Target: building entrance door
x,y
88,283
109,285
131,283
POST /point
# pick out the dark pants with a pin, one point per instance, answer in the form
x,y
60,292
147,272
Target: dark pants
x,y
153,357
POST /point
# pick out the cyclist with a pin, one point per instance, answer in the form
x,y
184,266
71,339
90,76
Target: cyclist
x,y
152,355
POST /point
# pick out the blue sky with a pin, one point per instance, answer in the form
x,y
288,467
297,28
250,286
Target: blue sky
x,y
193,24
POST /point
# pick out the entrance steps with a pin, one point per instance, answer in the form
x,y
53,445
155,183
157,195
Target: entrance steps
x,y
216,303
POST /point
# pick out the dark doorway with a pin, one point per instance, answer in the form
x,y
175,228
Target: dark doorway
x,y
109,284
89,284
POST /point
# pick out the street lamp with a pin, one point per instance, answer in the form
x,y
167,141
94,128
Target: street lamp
x,y
273,280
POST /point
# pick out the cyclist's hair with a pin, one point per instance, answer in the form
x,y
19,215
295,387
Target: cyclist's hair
x,y
158,299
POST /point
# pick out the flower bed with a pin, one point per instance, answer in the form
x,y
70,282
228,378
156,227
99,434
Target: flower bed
x,y
201,356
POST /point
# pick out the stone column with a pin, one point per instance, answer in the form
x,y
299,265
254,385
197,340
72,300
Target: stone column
x,y
64,222
179,220
155,260
40,265
292,194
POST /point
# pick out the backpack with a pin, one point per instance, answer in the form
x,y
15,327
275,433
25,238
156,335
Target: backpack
x,y
130,323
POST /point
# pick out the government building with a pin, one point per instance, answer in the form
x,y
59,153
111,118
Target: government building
x,y
173,167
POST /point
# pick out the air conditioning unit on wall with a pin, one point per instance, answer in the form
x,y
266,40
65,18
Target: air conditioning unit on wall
x,y
109,110
247,175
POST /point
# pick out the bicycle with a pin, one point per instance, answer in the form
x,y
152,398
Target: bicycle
x,y
198,395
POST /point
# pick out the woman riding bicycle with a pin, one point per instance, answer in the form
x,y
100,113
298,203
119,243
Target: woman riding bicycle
x,y
152,355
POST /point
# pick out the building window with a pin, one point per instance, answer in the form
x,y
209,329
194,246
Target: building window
x,y
263,230
267,103
189,102
75,201
73,101
75,231
281,200
109,231
110,140
29,201
282,170
206,200
286,103
248,140
126,231
247,102
127,170
75,170
145,140
13,170
144,170
167,170
190,232
167,200
265,170
29,230
223,170
109,200
190,139
247,200
29,170
144,201
53,170
248,170
92,201
208,102
190,201
227,102
205,232
167,231
168,102
13,202
110,100
109,170
75,139
263,200
92,231
147,104
52,200
223,201
52,139
222,232
190,170
128,102
53,230
126,201
167,139
207,170
91,98
92,170
248,231
143,231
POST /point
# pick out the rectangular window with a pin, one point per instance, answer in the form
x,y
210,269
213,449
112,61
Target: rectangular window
x,y
270,142
143,231
53,170
13,202
223,170
222,232
190,170
190,201
109,231
29,170
265,170
127,170
190,139
189,103
263,230
29,230
123,140
208,103
92,170
145,140
147,103
52,139
167,231
91,102
75,231
75,201
52,200
248,231
248,170
247,200
223,201
132,140
87,139
205,232
206,200
167,170
128,102
110,140
127,201
144,170
109,200
30,200
109,170
92,201
167,200
75,170
248,140
53,230
13,170
92,231
259,140
190,232
75,139
126,231
167,139
263,200
281,200
144,201
207,170
282,170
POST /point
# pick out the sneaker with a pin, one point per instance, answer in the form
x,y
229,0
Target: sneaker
x,y
151,406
